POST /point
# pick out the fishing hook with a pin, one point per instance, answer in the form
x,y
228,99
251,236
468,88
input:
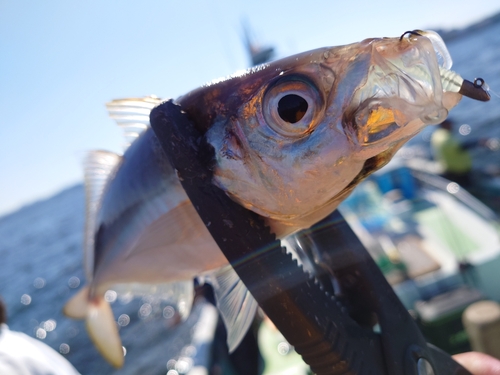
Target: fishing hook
x,y
414,32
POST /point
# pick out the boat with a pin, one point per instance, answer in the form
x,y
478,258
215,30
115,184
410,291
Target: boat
x,y
438,245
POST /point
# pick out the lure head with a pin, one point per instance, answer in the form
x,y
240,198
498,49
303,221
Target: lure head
x,y
293,138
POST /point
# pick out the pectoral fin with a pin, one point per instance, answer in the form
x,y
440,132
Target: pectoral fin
x,y
235,303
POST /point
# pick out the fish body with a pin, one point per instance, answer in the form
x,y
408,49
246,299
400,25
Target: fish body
x,y
147,222
291,140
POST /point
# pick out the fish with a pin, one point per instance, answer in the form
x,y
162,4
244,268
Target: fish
x,y
291,138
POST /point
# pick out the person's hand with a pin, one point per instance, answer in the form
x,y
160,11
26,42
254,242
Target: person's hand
x,y
478,363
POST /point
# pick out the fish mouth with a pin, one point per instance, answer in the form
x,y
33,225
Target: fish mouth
x,y
410,90
408,86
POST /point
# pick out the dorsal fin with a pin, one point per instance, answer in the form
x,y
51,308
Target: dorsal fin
x,y
98,166
132,115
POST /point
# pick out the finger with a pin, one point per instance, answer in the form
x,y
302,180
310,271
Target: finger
x,y
479,363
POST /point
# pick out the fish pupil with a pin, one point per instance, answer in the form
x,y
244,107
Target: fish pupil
x,y
292,108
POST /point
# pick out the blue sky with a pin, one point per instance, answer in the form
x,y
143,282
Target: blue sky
x,y
60,61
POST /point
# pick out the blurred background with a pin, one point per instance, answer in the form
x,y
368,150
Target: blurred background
x,y
61,61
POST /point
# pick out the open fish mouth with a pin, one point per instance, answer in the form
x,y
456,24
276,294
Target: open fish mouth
x,y
409,85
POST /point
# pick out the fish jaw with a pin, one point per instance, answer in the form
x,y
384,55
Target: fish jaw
x,y
364,101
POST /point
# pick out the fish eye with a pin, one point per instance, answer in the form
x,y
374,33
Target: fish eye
x,y
291,106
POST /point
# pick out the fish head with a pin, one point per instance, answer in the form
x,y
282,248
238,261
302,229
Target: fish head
x,y
293,138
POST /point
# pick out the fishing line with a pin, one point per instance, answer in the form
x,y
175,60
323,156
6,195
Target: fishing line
x,y
480,83
490,91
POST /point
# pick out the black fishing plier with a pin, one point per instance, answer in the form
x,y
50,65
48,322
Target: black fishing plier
x,y
332,328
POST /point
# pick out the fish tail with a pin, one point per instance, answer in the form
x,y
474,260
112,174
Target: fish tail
x,y
100,324
77,306
102,329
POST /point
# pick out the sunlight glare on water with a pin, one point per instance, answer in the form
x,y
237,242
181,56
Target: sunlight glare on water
x,y
168,312
453,188
41,333
39,283
145,310
72,331
464,129
123,320
110,296
74,282
126,298
64,348
49,325
171,364
183,365
25,299
183,308
283,348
